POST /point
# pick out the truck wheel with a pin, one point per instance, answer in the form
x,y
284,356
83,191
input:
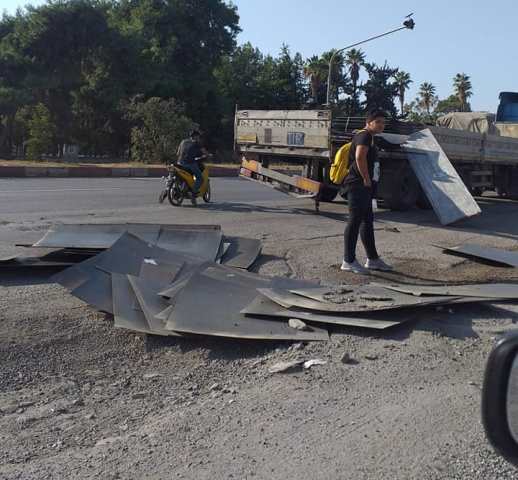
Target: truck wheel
x,y
403,190
328,193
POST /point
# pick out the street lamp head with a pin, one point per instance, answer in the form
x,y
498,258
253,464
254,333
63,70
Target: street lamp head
x,y
409,23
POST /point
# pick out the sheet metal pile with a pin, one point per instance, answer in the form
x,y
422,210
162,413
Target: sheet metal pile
x,y
177,280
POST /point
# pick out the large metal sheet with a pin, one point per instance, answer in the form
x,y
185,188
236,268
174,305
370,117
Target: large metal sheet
x,y
212,307
181,280
242,252
264,307
151,304
496,255
124,315
501,291
397,300
96,290
129,252
202,244
160,274
96,236
441,183
74,276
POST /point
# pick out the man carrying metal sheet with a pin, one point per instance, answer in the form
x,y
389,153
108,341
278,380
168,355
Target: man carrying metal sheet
x,y
359,186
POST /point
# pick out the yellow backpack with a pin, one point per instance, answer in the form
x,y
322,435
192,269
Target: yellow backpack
x,y
340,166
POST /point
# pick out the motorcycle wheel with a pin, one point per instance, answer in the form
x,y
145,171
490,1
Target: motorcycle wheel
x,y
206,195
162,196
176,192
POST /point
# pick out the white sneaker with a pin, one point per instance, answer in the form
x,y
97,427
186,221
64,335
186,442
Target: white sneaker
x,y
354,267
378,264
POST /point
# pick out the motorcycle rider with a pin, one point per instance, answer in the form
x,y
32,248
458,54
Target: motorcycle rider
x,y
189,153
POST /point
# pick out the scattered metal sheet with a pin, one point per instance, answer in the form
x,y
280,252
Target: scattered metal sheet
x,y
440,181
290,300
495,255
184,276
129,252
76,275
124,315
202,244
164,314
96,290
95,236
264,307
151,304
160,274
212,307
501,291
242,252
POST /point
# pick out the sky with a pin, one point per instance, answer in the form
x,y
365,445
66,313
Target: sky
x,y
451,36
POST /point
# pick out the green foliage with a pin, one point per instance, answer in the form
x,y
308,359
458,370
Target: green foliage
x,y
403,81
379,90
84,60
463,90
158,128
451,104
40,130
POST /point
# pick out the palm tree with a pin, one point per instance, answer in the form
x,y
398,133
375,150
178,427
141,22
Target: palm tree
x,y
316,71
462,86
427,95
354,59
337,76
403,82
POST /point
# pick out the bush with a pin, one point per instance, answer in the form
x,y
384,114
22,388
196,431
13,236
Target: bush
x,y
160,126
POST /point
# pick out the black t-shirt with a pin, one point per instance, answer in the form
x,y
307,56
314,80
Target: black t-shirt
x,y
361,138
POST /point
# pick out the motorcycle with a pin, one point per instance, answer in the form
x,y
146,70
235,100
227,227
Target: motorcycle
x,y
179,183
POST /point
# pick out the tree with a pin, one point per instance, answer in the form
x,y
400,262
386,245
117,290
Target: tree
x,y
403,82
354,59
427,98
463,89
451,104
379,91
41,130
158,128
316,71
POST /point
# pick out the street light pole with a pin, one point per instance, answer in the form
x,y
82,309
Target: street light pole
x,y
407,25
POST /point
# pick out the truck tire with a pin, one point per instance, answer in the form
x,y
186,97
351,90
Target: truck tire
x,y
403,190
328,193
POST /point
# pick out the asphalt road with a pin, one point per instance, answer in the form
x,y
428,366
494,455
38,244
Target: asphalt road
x,y
44,195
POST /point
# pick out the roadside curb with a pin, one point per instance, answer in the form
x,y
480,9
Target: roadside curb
x,y
97,172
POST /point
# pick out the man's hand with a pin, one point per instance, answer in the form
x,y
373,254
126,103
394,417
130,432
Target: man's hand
x,y
361,162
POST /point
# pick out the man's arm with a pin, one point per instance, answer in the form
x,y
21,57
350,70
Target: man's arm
x,y
362,164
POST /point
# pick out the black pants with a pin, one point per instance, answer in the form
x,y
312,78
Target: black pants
x,y
361,221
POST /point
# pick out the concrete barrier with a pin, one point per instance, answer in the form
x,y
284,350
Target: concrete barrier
x,y
95,171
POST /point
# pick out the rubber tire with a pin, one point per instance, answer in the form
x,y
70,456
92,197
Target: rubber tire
x,y
207,195
162,196
328,193
175,200
404,191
